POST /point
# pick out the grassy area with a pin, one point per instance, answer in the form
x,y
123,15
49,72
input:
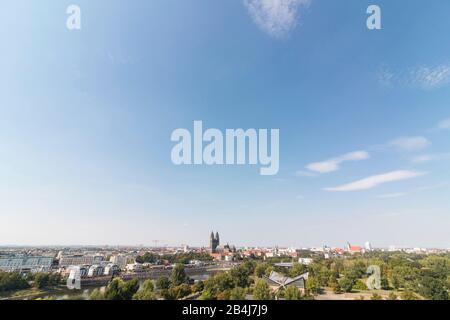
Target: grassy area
x,y
328,294
21,293
29,293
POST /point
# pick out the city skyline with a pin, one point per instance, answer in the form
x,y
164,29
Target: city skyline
x,y
87,115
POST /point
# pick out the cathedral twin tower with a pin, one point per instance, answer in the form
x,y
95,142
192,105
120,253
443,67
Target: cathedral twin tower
x,y
214,241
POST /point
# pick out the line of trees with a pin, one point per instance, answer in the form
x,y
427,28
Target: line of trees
x,y
14,281
182,258
178,286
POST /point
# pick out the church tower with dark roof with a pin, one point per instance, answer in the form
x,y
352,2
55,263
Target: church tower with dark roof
x,y
214,241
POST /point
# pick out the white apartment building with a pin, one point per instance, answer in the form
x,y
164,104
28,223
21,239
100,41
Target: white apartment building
x,y
120,260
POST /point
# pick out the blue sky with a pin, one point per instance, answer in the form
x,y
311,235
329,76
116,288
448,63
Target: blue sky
x,y
86,118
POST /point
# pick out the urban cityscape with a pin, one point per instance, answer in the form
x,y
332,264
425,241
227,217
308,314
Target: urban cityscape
x,y
192,153
221,271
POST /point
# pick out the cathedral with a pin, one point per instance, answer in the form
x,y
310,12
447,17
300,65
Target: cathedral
x,y
214,242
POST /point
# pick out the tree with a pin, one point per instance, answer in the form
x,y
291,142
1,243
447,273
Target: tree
x,y
403,277
261,268
121,290
146,292
163,283
237,293
262,290
347,284
312,286
241,274
148,257
112,291
297,269
11,281
384,282
334,284
322,276
198,286
223,281
178,275
129,288
216,285
447,283
41,280
96,294
439,266
168,294
181,291
359,285
356,270
433,288
292,293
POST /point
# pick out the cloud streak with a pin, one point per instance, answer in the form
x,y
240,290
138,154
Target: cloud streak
x,y
430,157
410,143
276,17
423,77
376,180
334,164
444,124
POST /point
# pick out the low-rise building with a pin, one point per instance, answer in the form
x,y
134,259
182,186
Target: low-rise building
x,y
26,264
134,267
277,281
96,270
353,249
120,260
79,260
305,261
111,269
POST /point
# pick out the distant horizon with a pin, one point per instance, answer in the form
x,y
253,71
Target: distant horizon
x,y
206,246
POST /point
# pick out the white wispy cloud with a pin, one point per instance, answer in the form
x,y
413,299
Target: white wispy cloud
x,y
385,76
276,17
410,143
429,78
376,180
444,124
334,163
423,77
423,158
435,186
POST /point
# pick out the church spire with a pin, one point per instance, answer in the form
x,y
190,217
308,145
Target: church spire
x,y
217,238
